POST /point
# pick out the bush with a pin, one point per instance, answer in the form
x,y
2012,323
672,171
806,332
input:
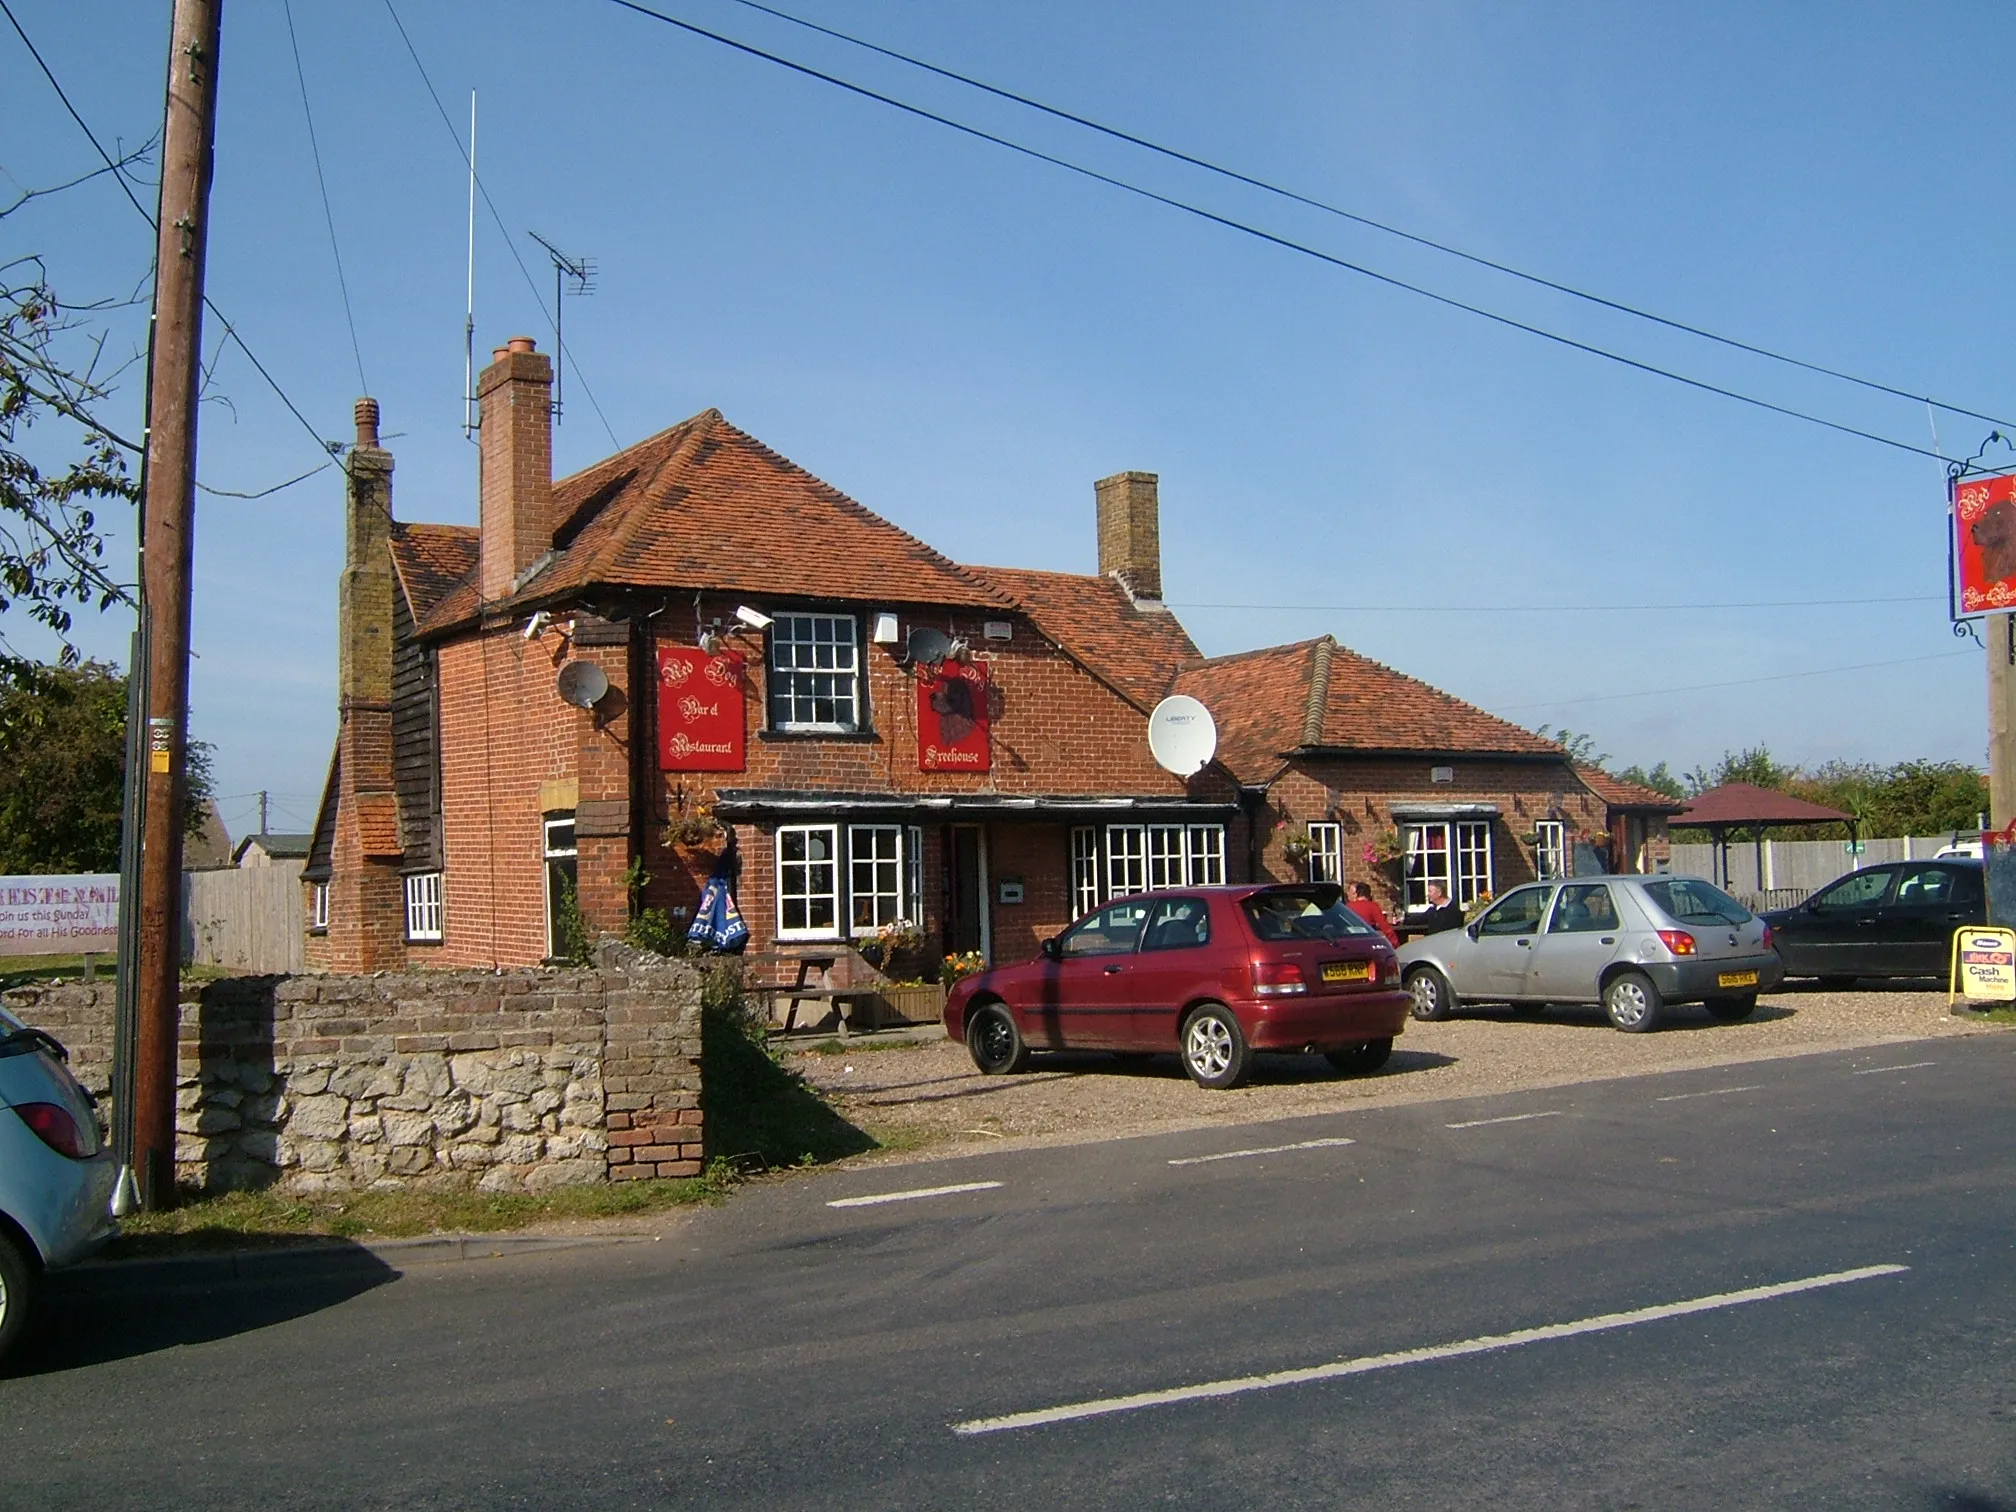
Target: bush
x,y
651,929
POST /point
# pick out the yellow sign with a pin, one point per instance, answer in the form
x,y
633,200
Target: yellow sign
x,y
1984,965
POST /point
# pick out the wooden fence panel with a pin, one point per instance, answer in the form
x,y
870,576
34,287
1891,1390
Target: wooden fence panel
x,y
244,919
1797,867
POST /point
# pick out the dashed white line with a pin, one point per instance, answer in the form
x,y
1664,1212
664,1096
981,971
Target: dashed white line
x,y
1366,1364
1478,1123
1711,1092
1879,1070
1307,1144
913,1195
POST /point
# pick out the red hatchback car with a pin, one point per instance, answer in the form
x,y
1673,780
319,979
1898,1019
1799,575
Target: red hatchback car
x,y
1213,973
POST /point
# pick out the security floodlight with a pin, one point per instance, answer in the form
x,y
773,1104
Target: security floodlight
x,y
755,619
537,623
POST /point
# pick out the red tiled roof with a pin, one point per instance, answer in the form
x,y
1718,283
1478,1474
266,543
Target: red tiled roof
x,y
1316,694
431,561
1617,793
1742,803
1135,650
705,505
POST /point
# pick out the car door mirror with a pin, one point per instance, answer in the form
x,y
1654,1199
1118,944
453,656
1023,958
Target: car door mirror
x,y
1472,930
1053,947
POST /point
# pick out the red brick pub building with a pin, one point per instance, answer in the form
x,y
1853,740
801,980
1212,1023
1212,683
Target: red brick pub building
x,y
614,670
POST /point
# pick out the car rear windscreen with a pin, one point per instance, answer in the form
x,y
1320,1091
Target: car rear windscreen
x,y
1298,916
1687,901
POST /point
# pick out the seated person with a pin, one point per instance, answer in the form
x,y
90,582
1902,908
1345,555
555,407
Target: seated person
x,y
1440,914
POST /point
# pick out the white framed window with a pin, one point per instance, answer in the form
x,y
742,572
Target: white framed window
x,y
874,876
1084,870
913,871
1167,852
1458,856
1550,849
1143,857
808,881
423,906
562,875
1473,861
1204,855
815,672
1126,860
318,905
1326,851
1427,861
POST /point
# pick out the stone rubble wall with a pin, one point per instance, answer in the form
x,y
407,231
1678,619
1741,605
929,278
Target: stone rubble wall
x,y
506,1081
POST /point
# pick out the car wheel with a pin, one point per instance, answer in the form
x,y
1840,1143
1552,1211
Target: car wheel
x,y
1632,1002
1361,1060
1214,1049
17,1292
1732,1010
995,1043
1433,999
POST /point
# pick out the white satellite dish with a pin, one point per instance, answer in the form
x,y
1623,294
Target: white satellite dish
x,y
1182,736
582,684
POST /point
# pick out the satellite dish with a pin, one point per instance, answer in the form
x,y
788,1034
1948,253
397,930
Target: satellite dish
x,y
928,645
582,684
1182,736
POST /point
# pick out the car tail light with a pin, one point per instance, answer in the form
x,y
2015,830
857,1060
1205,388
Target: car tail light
x,y
1765,941
1278,979
1678,941
1389,969
54,1127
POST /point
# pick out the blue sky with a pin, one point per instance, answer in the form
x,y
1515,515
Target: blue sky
x,y
964,339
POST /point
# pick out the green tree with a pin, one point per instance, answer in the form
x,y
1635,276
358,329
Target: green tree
x,y
1660,779
1752,764
63,770
1579,744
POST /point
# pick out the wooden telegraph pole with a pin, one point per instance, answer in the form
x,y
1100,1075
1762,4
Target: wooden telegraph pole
x,y
167,526
2001,637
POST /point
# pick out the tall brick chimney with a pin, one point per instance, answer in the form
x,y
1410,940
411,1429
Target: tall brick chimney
x,y
1130,533
364,598
516,394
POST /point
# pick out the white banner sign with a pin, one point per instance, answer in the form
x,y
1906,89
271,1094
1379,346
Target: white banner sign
x,y
58,915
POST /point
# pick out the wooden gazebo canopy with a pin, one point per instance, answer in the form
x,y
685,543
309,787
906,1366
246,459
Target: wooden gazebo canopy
x,y
1744,805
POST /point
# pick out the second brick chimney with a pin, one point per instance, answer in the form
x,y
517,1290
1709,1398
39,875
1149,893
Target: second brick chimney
x,y
516,394
1130,533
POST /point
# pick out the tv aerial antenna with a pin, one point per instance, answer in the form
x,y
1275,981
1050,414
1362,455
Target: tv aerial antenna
x,y
571,275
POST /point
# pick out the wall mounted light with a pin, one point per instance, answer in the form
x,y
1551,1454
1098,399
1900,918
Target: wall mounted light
x,y
755,619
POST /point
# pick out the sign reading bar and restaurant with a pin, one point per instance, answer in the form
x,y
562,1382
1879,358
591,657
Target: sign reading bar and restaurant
x,y
952,720
1984,521
701,723
58,915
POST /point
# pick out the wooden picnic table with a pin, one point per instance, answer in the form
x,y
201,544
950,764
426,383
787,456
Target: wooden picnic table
x,y
812,982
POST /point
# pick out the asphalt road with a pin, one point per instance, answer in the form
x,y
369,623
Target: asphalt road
x,y
783,1353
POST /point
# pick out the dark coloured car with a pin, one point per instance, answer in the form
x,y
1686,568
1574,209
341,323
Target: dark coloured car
x,y
1892,920
1212,973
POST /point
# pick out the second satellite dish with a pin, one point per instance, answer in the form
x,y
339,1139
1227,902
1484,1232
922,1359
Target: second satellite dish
x,y
1182,736
928,645
582,684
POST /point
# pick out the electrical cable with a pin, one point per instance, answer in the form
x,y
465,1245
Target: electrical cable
x,y
1909,598
1741,682
1284,242
333,449
322,183
566,353
1367,221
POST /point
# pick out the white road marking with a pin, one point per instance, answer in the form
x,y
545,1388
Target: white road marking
x,y
1307,1144
1478,1123
1879,1070
1366,1364
1711,1092
913,1195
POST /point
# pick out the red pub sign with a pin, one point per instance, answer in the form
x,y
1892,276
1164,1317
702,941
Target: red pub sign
x,y
1984,519
952,720
701,724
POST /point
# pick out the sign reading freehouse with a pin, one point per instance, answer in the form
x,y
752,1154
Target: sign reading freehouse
x,y
700,711
58,915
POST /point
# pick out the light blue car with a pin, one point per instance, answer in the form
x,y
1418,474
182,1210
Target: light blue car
x,y
56,1175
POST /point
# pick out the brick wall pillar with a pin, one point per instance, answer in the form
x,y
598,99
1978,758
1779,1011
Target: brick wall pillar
x,y
604,818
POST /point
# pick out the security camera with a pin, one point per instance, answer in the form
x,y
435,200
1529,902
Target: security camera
x,y
755,619
537,623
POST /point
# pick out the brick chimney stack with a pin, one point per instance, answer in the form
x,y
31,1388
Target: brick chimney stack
x,y
516,395
1130,533
364,598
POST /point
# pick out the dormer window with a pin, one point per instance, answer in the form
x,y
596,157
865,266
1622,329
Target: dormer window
x,y
815,673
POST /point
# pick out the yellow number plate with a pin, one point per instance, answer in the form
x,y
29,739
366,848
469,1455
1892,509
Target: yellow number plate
x,y
1736,979
1359,971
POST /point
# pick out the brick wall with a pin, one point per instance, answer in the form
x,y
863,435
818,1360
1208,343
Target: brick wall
x,y
507,1081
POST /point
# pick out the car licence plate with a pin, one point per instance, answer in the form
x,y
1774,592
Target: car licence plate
x,y
1736,979
1356,971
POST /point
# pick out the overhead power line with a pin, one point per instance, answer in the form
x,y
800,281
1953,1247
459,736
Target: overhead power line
x,y
1440,609
322,183
562,354
1740,682
1540,281
1285,242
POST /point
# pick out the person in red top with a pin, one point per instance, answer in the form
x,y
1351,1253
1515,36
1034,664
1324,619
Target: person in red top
x,y
1362,904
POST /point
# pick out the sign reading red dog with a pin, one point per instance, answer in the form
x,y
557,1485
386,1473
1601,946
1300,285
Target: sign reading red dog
x,y
700,719
1984,516
953,734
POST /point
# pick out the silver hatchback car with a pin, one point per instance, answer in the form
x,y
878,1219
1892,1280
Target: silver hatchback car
x,y
1633,943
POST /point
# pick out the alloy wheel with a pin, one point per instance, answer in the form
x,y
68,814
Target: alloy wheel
x,y
1209,1046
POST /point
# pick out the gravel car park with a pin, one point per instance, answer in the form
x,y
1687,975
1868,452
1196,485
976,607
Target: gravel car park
x,y
1635,944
